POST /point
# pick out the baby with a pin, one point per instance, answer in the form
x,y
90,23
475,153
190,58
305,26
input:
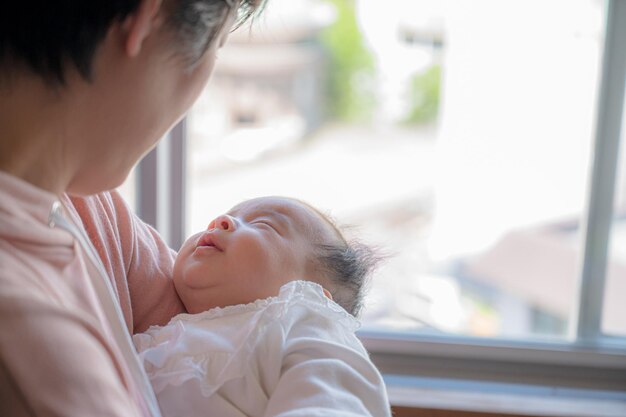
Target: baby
x,y
271,288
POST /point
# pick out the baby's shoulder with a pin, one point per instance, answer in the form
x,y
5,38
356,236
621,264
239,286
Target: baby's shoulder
x,y
305,304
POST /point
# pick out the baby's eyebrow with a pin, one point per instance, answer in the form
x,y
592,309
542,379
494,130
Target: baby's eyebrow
x,y
278,215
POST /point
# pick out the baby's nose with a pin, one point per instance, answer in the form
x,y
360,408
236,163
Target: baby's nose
x,y
223,222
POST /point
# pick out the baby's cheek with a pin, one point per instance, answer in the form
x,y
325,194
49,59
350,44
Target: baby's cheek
x,y
184,269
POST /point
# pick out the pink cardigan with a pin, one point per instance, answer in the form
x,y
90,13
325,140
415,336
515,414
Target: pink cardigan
x,y
57,354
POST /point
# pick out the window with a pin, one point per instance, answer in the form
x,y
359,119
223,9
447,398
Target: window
x,y
460,139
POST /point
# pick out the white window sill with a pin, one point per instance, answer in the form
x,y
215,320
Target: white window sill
x,y
481,397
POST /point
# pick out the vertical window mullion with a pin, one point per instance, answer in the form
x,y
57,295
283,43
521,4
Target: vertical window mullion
x,y
177,188
146,199
599,214
161,187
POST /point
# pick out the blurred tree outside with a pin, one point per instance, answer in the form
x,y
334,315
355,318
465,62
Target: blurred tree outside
x,y
352,75
424,96
351,71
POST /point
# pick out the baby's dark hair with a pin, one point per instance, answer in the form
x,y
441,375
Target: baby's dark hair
x,y
349,266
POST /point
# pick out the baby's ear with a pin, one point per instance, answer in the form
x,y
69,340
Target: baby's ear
x,y
327,294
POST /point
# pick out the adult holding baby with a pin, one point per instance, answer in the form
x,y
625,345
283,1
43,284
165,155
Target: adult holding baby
x,y
86,89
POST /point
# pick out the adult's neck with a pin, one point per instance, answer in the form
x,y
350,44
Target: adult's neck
x,y
35,136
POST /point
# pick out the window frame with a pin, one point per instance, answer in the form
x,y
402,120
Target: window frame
x,y
605,156
162,188
596,359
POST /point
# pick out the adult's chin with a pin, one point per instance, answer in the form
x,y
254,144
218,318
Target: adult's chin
x,y
86,184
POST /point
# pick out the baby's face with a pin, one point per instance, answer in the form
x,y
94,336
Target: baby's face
x,y
248,254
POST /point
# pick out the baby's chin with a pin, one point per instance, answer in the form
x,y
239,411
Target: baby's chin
x,y
192,304
197,300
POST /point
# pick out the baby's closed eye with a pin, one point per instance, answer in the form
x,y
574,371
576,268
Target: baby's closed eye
x,y
266,224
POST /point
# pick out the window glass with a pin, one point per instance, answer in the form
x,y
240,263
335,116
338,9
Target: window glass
x,y
454,135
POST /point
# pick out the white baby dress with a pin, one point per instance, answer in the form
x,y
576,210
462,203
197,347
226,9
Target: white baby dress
x,y
293,355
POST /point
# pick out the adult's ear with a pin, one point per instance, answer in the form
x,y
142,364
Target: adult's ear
x,y
140,24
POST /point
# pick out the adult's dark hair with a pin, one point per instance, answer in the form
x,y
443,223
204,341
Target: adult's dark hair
x,y
47,36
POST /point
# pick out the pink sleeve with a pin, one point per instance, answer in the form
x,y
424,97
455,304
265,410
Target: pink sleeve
x,y
136,258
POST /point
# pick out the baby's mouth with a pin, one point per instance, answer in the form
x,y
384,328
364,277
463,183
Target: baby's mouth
x,y
206,240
